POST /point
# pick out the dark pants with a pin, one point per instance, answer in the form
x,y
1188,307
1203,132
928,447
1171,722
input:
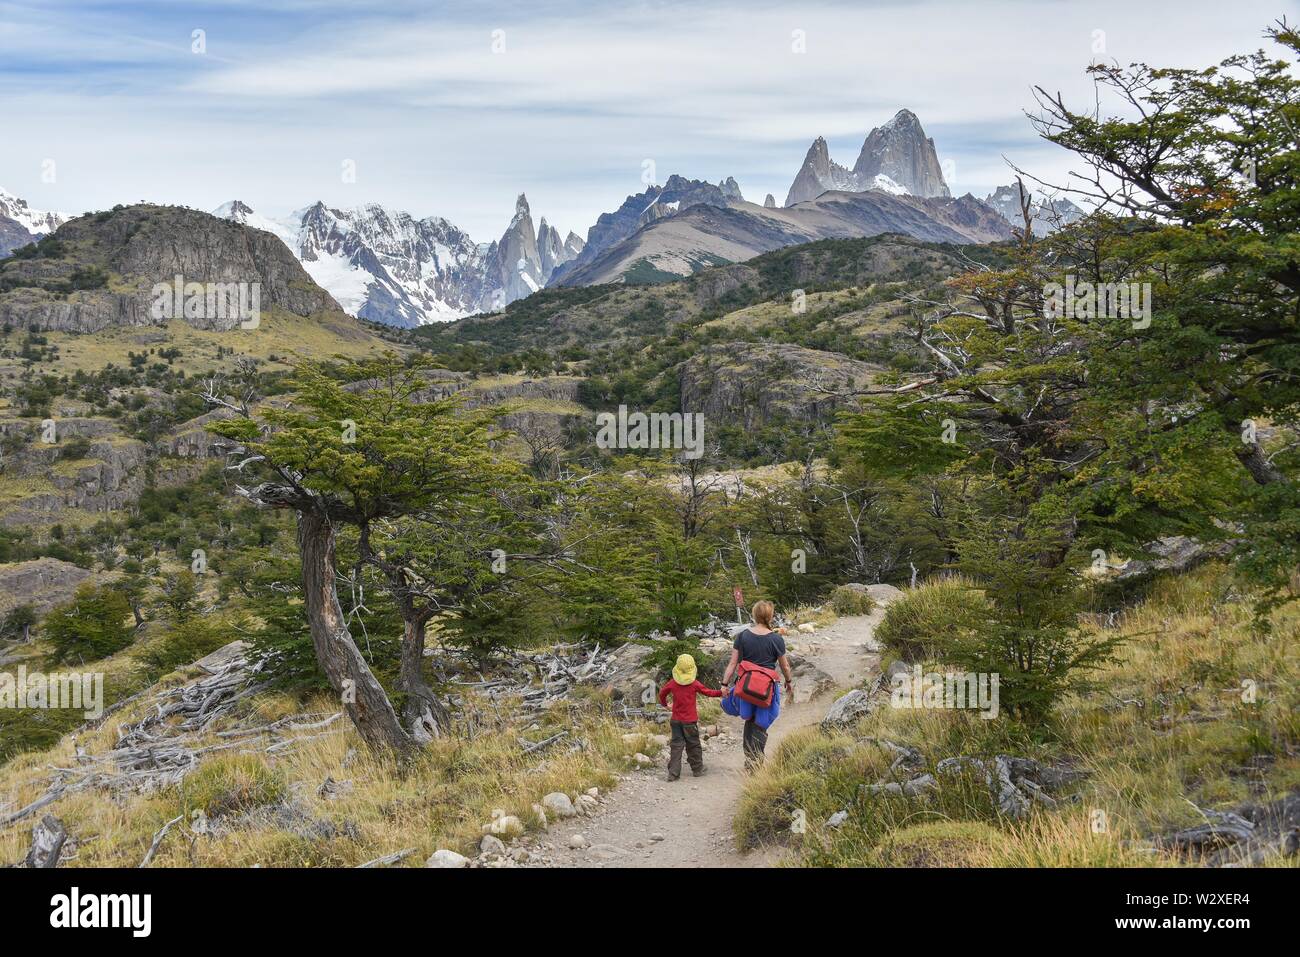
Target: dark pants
x,y
686,737
754,741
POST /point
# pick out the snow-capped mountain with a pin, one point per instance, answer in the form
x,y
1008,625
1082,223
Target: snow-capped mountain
x,y
1046,215
386,266
20,224
642,209
896,158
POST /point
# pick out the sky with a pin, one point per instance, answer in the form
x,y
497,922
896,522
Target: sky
x,y
453,109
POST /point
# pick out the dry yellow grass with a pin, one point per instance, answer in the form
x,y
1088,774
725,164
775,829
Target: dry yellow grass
x,y
280,334
246,807
1169,729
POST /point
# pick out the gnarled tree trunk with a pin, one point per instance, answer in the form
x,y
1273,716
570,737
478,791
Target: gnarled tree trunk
x,y
423,713
363,696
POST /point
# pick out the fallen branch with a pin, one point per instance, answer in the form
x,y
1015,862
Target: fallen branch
x,y
389,858
158,839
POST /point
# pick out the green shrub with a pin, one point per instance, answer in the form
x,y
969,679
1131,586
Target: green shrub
x,y
77,447
230,784
847,600
661,661
183,644
917,624
91,626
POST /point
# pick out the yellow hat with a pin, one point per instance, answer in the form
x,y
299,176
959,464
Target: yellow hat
x,y
684,670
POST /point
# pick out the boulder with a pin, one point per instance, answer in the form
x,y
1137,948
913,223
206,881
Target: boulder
x,y
809,680
42,582
507,826
1176,553
848,710
445,858
557,803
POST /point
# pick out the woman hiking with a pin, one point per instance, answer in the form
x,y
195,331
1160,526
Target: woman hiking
x,y
759,646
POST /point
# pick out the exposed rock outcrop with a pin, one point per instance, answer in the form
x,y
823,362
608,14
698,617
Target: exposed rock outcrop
x,y
42,582
636,212
901,151
749,384
895,158
103,269
514,263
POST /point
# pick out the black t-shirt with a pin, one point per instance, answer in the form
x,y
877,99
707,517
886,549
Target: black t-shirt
x,y
762,650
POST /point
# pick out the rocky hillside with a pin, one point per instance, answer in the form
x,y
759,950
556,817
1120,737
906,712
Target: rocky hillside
x,y
655,203
101,269
752,383
594,316
708,235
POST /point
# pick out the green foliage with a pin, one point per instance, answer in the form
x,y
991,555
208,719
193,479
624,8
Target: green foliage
x,y
180,595
77,447
677,573
17,622
846,600
269,582
91,626
661,661
927,617
185,643
1031,636
230,784
491,622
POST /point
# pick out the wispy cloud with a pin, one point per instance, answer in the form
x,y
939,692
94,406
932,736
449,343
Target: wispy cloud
x,y
442,114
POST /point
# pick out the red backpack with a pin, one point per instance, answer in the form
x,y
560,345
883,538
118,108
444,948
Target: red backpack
x,y
755,684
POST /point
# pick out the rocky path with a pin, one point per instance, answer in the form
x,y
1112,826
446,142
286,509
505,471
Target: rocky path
x,y
651,822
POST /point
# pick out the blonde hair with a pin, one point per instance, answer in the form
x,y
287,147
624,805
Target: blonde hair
x,y
763,613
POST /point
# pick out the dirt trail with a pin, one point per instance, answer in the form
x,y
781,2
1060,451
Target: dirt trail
x,y
651,822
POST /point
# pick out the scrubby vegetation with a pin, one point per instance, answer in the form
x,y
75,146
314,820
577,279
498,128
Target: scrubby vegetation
x,y
387,527
1197,711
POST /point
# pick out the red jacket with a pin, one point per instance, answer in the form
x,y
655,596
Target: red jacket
x,y
684,699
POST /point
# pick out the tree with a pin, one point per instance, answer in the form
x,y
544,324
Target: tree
x,y
91,626
1201,177
1125,427
180,595
353,455
677,571
604,519
459,558
17,623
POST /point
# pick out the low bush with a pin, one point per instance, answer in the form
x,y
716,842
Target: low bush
x,y
848,600
916,625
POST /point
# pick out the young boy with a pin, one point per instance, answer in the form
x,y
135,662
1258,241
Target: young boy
x,y
685,721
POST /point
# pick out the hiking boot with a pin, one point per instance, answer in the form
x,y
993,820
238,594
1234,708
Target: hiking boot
x,y
698,772
671,777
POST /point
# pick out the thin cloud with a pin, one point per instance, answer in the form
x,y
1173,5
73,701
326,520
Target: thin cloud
x,y
439,124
